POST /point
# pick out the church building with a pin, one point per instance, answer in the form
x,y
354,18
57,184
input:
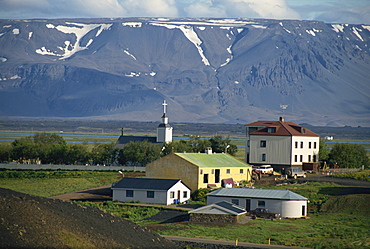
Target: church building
x,y
164,133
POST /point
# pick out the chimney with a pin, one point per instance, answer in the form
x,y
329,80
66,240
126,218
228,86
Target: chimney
x,y
209,150
281,119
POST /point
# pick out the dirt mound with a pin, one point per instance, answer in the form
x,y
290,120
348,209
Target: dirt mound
x,y
35,222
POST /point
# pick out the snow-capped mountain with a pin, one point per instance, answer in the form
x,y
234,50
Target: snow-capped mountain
x,y
208,70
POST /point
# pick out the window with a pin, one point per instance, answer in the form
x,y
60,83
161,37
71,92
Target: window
x,y
129,193
301,145
314,145
235,201
213,171
227,171
185,194
205,178
201,171
301,158
261,204
149,194
271,129
295,158
263,143
314,158
309,145
309,158
296,145
172,194
241,171
263,157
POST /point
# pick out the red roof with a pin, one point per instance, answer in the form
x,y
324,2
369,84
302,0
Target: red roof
x,y
280,128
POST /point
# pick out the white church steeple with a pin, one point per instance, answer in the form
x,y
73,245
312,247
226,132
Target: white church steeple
x,y
164,130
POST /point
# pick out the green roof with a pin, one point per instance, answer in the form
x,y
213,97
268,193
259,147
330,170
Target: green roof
x,y
218,160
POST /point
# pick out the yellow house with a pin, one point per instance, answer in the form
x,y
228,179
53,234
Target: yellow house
x,y
199,170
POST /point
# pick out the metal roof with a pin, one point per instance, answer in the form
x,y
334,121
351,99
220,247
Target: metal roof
x,y
219,160
145,183
258,193
221,207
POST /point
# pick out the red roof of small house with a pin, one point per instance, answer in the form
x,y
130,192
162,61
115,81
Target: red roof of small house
x,y
280,128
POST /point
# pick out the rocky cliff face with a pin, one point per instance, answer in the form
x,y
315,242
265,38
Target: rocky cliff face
x,y
209,70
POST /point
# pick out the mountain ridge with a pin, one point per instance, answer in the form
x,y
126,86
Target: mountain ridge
x,y
208,70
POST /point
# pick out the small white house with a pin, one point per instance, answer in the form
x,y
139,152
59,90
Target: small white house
x,y
150,190
285,202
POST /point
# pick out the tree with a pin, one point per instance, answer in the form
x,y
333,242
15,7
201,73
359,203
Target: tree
x,y
323,151
139,153
220,144
349,155
77,154
103,154
5,152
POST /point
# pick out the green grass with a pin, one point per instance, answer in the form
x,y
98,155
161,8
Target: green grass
x,y
65,182
129,212
362,175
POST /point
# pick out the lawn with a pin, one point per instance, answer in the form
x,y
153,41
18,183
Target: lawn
x,y
51,183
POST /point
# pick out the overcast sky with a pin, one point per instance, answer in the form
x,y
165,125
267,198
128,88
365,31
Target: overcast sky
x,y
330,11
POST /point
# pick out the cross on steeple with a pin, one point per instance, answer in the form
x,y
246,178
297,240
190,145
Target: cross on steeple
x,y
164,106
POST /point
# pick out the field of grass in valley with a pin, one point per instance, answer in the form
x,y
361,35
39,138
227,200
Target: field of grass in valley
x,y
336,221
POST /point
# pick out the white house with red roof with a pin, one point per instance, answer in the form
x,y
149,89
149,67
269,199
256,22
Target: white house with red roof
x,y
280,144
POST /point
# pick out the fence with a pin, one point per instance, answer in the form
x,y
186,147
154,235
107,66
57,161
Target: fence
x,y
69,167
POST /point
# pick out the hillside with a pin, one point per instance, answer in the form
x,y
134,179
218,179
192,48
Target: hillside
x,y
208,70
35,222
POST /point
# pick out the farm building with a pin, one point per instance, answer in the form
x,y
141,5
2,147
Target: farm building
x,y
285,202
159,191
220,212
200,170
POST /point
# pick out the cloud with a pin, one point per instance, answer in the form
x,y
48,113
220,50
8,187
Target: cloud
x,y
276,9
340,11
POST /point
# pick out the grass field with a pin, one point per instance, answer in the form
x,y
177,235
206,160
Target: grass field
x,y
341,221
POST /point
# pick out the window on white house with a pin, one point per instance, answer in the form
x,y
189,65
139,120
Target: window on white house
x,y
296,145
149,194
172,194
263,143
263,157
309,158
309,145
129,193
235,201
301,145
301,158
261,204
241,171
295,158
227,171
314,145
314,158
185,194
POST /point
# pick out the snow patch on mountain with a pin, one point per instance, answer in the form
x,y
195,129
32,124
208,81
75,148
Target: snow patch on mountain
x,y
189,33
338,27
30,35
355,31
129,54
132,24
79,30
16,31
